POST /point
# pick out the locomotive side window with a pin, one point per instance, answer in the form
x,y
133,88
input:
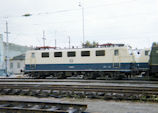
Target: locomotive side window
x,y
57,54
85,53
100,53
71,54
45,55
116,52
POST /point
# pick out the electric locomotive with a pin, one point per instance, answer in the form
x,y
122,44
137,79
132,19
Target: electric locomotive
x,y
116,61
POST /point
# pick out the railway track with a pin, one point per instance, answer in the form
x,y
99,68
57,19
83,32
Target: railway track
x,y
76,80
12,106
89,91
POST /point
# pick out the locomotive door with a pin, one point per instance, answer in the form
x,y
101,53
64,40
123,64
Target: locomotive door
x,y
116,59
32,61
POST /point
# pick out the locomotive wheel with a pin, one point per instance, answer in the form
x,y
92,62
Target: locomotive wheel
x,y
90,75
61,75
105,76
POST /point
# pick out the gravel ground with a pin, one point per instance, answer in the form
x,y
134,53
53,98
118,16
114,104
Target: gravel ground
x,y
99,106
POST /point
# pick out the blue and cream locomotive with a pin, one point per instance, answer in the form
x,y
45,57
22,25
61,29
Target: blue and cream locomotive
x,y
116,61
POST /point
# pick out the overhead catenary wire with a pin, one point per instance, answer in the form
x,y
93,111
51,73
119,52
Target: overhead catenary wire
x,y
67,10
78,9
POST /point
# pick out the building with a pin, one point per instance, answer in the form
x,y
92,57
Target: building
x,y
17,64
2,66
13,50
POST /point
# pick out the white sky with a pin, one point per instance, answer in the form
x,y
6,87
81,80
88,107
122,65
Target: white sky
x,y
133,22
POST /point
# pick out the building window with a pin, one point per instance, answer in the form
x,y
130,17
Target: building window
x,y
45,55
71,54
11,65
116,52
85,53
57,54
146,53
100,53
33,55
18,65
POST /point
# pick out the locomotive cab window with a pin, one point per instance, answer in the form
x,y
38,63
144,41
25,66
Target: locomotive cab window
x,y
146,53
116,52
85,53
57,54
100,53
45,55
71,54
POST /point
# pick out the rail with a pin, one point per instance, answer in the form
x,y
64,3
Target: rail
x,y
96,91
40,107
75,80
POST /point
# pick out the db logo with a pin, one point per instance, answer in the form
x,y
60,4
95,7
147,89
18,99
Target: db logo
x,y
71,60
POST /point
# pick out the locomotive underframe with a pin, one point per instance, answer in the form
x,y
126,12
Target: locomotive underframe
x,y
82,74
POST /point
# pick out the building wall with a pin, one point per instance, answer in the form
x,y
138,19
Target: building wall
x,y
2,68
16,66
1,52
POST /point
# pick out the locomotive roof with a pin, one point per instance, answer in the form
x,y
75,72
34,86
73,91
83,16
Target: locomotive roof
x,y
75,49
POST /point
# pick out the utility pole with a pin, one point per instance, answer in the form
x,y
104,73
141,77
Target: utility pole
x,y
44,38
69,42
81,4
7,47
55,38
55,43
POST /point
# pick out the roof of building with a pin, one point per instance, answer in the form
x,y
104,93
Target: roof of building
x,y
19,57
